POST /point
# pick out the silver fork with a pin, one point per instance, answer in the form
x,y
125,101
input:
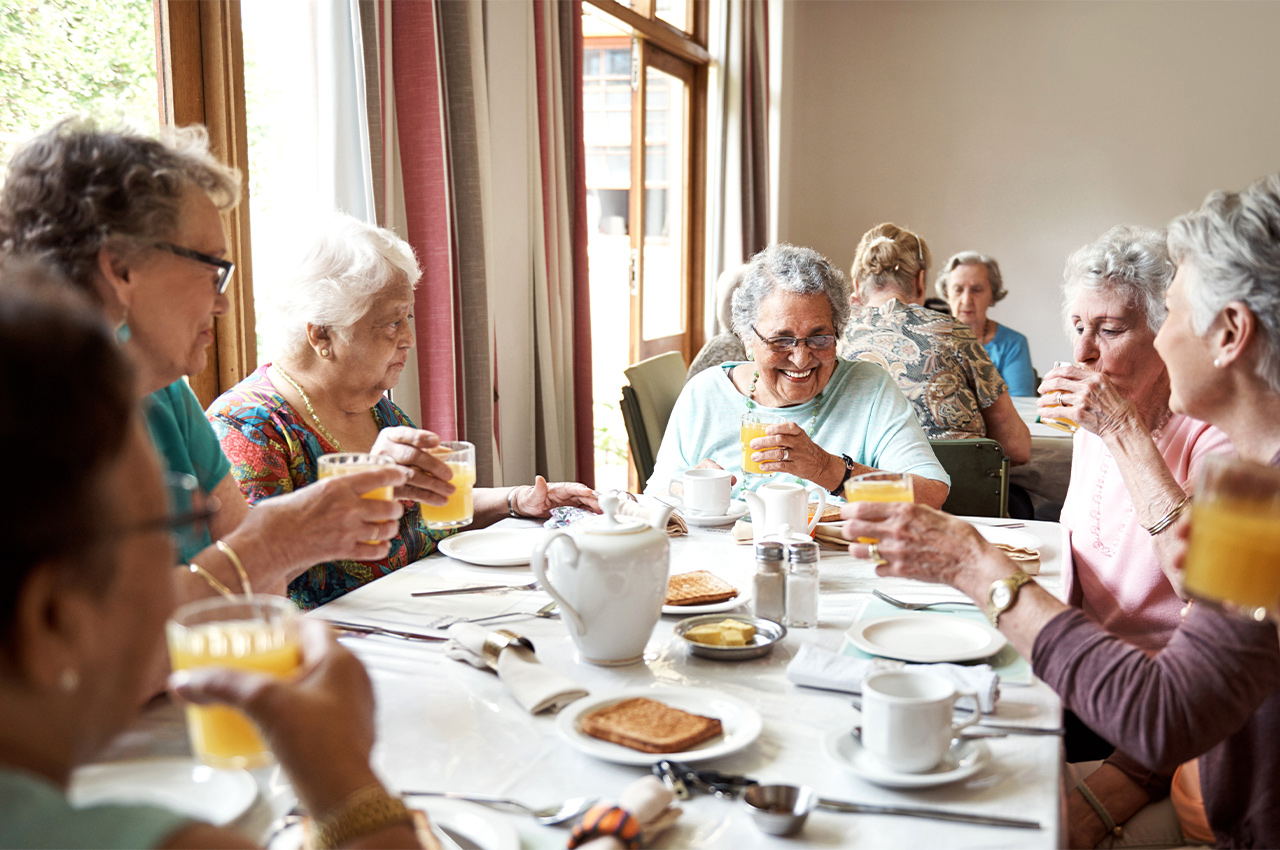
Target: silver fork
x,y
918,606
546,611
553,814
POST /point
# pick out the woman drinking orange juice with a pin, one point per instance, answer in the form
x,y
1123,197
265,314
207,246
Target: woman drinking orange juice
x,y
346,326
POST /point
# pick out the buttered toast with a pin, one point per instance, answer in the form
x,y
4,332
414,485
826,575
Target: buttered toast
x,y
649,726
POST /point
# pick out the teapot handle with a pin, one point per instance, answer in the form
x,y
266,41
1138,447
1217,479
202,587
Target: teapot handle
x,y
822,506
538,560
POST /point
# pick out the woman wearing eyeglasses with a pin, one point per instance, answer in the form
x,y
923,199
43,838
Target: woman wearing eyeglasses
x,y
842,418
937,361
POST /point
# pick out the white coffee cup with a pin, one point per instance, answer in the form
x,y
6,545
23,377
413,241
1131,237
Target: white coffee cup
x,y
906,718
706,491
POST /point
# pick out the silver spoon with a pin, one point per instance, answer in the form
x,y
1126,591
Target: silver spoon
x,y
553,814
918,606
546,611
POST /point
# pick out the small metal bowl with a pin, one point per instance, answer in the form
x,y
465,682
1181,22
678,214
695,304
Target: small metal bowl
x,y
767,634
779,809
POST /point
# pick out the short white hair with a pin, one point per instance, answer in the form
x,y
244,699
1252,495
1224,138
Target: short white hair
x,y
1129,261
1233,242
801,271
347,265
972,258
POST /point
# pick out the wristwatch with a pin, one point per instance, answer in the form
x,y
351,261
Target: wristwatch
x,y
838,490
1002,594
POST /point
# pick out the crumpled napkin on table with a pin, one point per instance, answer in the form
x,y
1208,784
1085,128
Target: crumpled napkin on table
x,y
650,802
566,516
534,686
815,667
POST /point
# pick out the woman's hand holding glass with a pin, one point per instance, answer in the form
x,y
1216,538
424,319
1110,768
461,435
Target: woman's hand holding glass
x,y
787,448
428,474
1087,398
915,541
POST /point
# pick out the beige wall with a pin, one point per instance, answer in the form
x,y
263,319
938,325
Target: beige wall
x,y
1020,129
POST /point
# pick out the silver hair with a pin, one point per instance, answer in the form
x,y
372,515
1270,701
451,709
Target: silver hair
x,y
1129,261
802,271
346,266
1233,242
972,258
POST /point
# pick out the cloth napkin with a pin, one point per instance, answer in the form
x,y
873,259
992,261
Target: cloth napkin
x,y
650,802
566,516
815,667
534,686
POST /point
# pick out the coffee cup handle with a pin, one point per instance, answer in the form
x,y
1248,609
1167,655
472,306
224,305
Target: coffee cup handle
x,y
817,514
538,560
973,715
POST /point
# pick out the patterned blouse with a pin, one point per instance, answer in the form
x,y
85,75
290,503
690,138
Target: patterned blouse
x,y
936,361
273,450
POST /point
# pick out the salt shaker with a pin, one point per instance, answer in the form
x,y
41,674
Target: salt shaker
x,y
770,581
802,585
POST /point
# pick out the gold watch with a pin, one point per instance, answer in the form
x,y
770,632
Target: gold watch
x,y
1002,594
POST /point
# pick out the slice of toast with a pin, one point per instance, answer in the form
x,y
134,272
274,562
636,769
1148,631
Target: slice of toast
x,y
698,588
649,726
830,513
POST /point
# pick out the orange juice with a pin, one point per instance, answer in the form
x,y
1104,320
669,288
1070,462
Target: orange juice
x,y
1062,423
460,508
222,736
1234,556
348,463
750,431
879,487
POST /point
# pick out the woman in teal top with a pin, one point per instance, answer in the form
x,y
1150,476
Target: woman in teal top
x,y
971,283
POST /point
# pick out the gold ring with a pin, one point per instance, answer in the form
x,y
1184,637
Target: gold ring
x,y
786,454
873,550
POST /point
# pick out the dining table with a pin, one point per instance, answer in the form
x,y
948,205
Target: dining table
x,y
1046,475
444,725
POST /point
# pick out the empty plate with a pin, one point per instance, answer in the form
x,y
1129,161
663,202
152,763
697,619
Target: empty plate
x,y
926,638
499,547
179,784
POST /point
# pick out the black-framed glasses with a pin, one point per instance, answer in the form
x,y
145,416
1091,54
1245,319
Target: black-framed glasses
x,y
224,267
821,342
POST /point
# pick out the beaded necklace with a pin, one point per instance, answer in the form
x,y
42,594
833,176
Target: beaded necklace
x,y
333,441
751,403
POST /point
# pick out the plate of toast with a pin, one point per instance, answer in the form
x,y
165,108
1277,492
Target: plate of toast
x,y
701,592
638,726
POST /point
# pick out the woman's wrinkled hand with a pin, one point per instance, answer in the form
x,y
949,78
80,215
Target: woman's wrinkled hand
x,y
913,541
1087,398
787,448
538,499
428,474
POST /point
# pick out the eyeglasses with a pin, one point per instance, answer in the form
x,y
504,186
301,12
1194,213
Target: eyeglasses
x,y
190,510
821,342
225,267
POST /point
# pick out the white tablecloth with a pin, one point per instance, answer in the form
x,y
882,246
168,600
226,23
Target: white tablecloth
x,y
444,725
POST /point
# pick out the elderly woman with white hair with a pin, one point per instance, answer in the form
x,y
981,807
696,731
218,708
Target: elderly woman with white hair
x,y
971,284
839,418
346,318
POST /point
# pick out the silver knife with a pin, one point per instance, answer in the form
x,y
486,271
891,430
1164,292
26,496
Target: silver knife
x,y
477,589
934,814
361,628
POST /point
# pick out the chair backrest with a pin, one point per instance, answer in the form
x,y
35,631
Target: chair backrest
x,y
654,386
979,474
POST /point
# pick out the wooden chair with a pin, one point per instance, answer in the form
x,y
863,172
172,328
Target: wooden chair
x,y
651,391
979,474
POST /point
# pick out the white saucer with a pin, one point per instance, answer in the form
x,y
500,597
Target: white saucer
x,y
964,759
180,784
926,638
737,510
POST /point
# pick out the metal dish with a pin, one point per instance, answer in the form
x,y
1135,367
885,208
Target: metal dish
x,y
767,634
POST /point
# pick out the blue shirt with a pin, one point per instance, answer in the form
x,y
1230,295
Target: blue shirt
x,y
1008,350
862,413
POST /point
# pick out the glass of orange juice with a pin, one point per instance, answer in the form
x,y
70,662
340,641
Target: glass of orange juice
x,y
1062,423
754,423
458,511
346,463
879,487
259,634
1234,554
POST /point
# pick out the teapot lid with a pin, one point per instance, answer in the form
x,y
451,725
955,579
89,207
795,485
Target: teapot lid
x,y
611,522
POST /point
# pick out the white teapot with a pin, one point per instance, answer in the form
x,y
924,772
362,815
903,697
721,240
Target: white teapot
x,y
780,503
610,579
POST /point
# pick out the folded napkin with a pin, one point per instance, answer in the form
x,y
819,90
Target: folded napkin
x,y
648,801
815,667
1028,560
534,686
566,516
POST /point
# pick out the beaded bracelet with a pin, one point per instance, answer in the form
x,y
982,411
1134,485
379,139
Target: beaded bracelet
x,y
366,811
602,819
1169,518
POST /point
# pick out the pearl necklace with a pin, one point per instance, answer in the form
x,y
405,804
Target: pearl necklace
x,y
751,403
333,441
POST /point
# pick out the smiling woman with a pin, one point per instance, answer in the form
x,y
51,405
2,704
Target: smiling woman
x,y
840,418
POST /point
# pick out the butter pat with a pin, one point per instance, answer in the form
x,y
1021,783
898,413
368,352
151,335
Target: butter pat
x,y
723,633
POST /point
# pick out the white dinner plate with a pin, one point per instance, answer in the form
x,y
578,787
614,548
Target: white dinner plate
x,y
471,826
1009,536
742,724
737,510
499,547
743,597
926,638
179,784
964,759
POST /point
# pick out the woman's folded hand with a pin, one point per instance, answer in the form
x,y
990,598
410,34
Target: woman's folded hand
x,y
411,448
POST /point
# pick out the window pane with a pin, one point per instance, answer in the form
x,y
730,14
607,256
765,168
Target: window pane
x,y
619,63
674,12
664,288
64,56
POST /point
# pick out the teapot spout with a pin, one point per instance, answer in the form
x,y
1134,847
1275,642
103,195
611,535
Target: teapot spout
x,y
756,505
660,515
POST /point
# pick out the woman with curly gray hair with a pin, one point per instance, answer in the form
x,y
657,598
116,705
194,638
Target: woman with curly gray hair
x,y
971,284
839,418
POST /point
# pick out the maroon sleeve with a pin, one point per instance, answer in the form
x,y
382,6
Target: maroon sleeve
x,y
1164,709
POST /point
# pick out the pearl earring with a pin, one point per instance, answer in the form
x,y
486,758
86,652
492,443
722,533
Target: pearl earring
x,y
1217,364
751,355
324,352
69,680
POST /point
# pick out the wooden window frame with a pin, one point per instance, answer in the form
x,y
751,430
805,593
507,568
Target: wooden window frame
x,y
200,60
